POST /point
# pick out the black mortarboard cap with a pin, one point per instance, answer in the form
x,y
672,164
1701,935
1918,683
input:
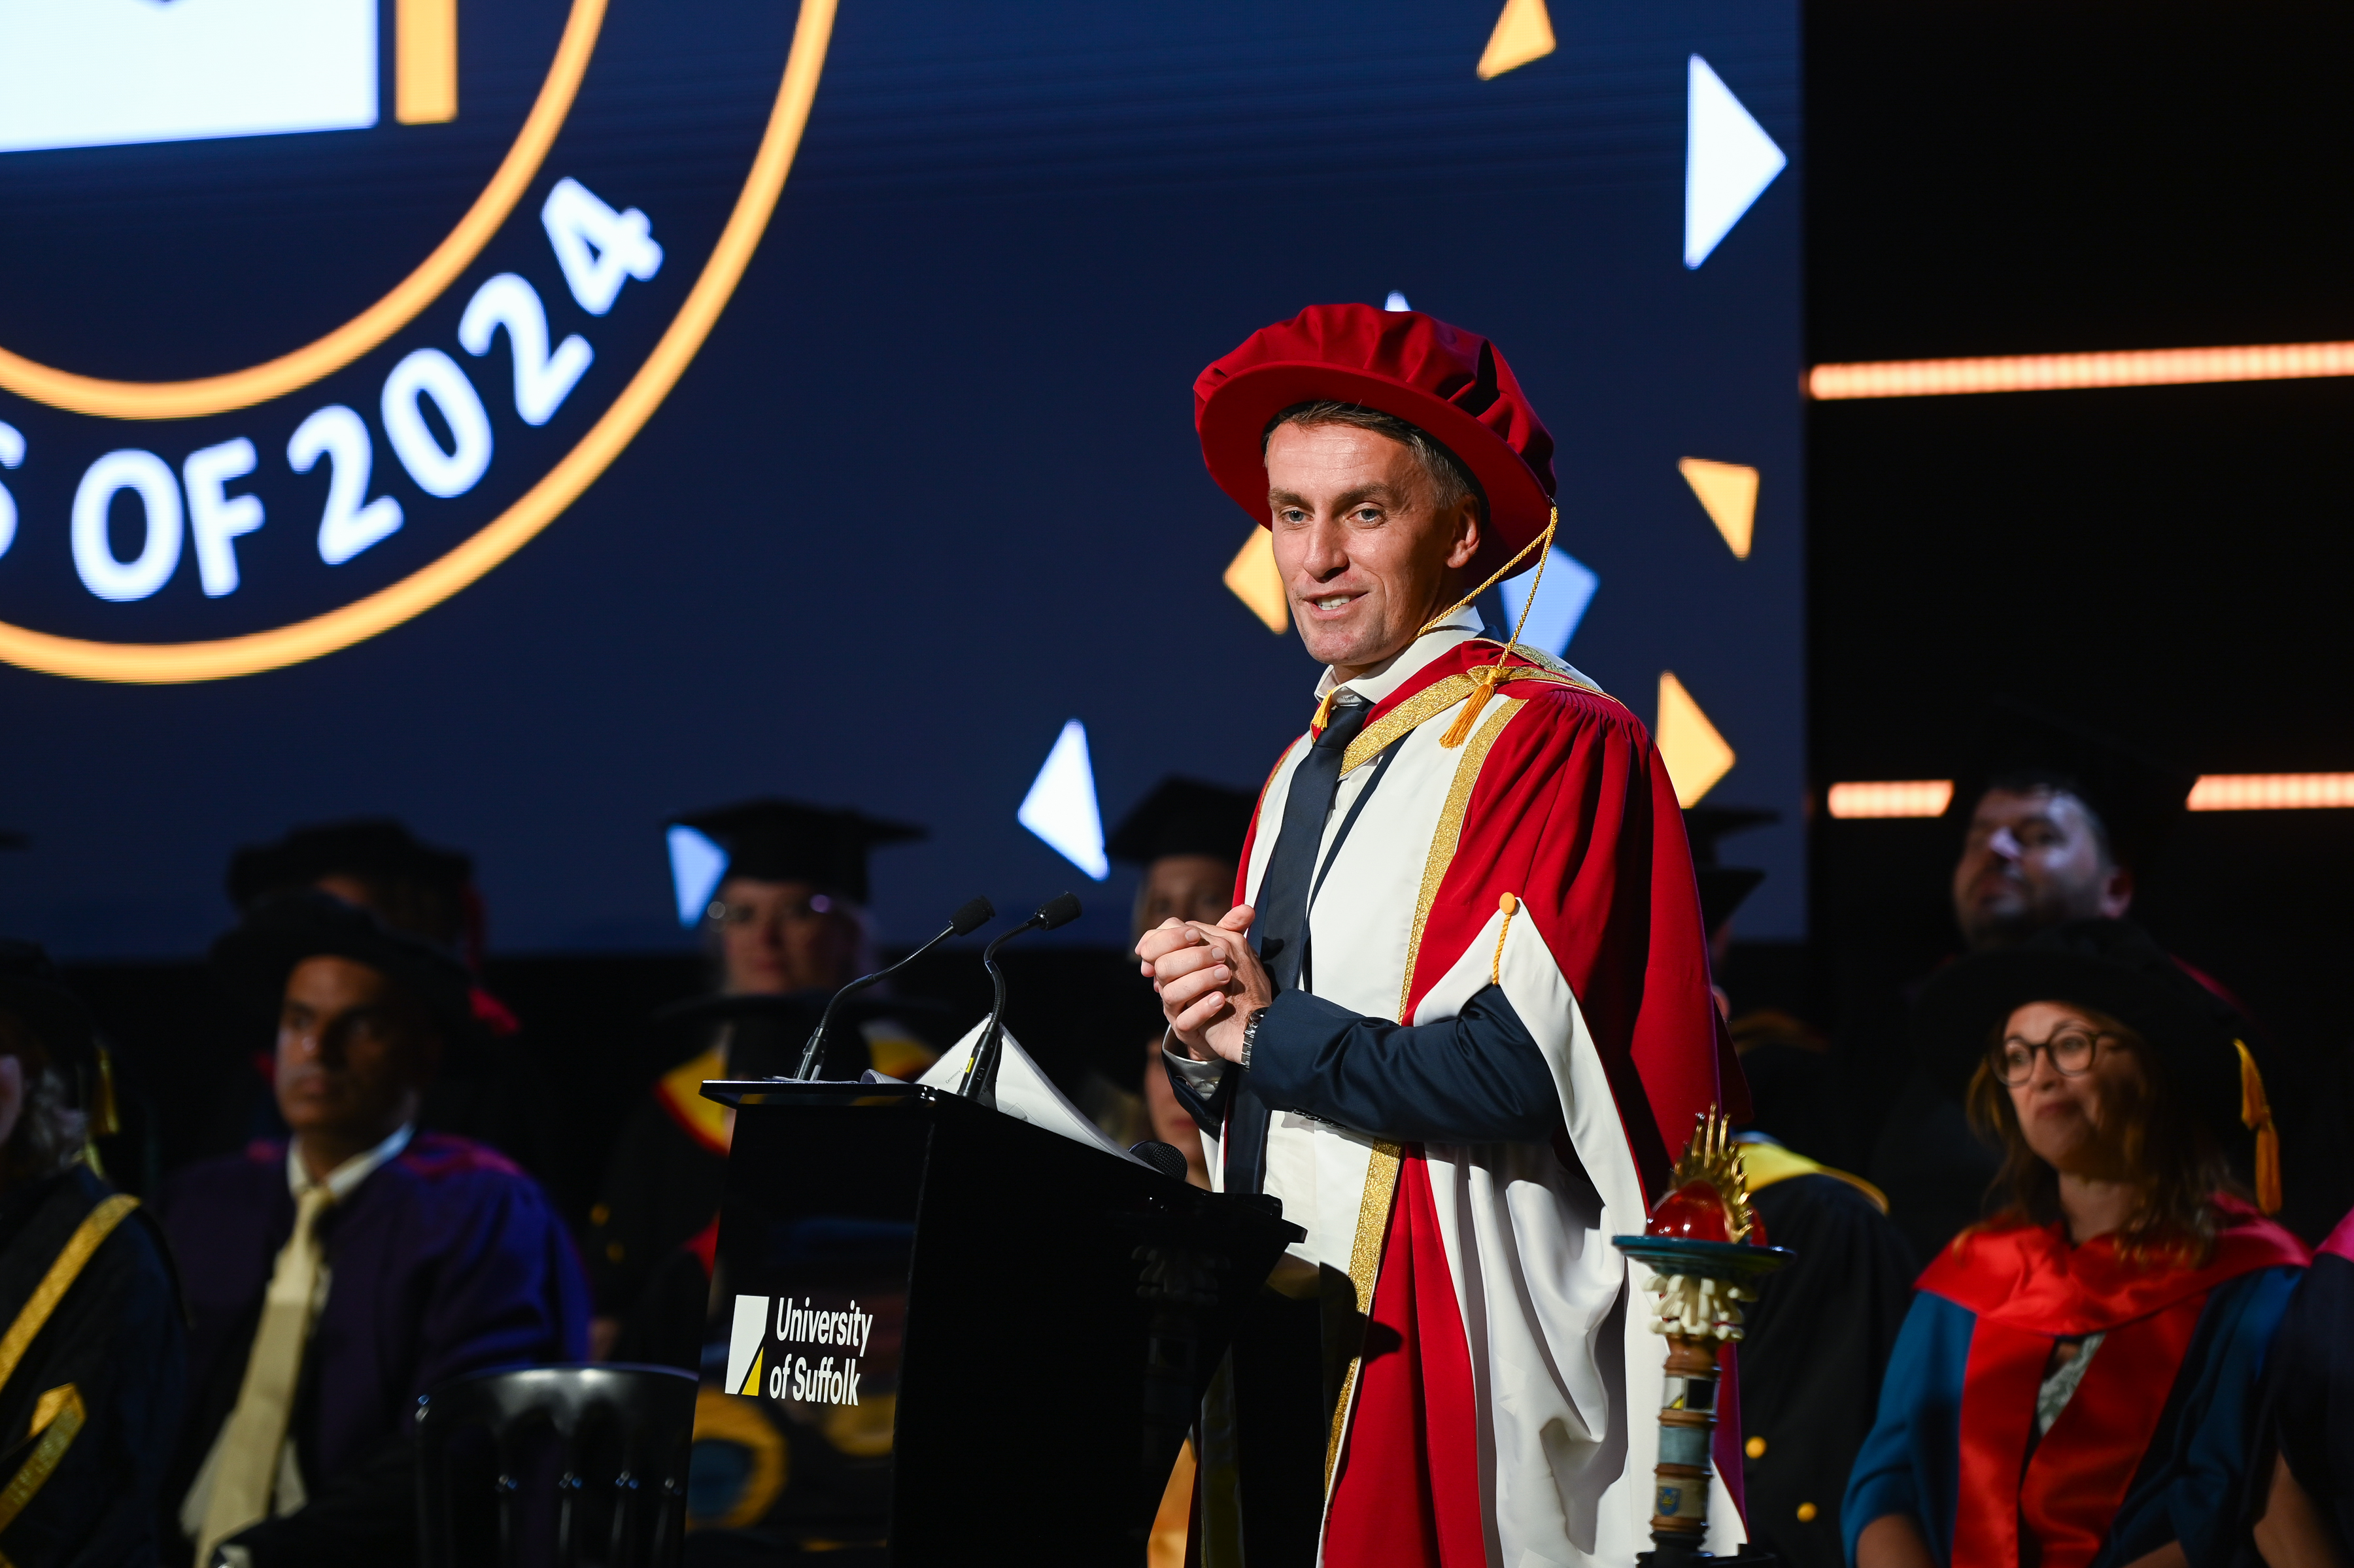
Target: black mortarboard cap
x,y
376,848
283,929
784,840
2137,796
32,990
1183,816
2112,967
1722,888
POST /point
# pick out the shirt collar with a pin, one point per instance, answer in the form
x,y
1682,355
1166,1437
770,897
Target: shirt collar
x,y
343,1177
1456,630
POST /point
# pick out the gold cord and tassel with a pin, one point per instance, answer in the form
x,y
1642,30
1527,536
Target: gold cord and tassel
x,y
105,1117
2256,1115
1485,678
1510,906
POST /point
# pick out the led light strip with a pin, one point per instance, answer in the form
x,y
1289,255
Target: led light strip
x,y
2069,372
2213,792
1893,797
2271,791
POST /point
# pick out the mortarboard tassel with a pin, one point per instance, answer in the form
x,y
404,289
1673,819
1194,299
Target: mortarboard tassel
x,y
2256,1115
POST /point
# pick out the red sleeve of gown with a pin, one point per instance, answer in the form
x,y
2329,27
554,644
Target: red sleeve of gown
x,y
1574,814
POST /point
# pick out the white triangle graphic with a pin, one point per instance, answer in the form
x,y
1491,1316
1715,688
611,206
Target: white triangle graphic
x,y
1061,805
1728,161
695,863
1568,587
745,1334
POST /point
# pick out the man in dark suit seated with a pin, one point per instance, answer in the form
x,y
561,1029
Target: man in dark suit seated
x,y
334,1279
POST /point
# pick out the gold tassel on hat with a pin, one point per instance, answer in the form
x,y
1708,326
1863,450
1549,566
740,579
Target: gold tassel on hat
x,y
105,1117
1487,676
2256,1115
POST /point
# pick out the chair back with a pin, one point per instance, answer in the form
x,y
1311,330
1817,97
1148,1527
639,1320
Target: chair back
x,y
622,1435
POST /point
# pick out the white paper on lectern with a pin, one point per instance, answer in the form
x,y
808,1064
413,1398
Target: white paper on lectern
x,y
1023,1092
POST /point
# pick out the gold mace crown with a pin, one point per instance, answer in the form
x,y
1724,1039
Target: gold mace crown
x,y
1713,1157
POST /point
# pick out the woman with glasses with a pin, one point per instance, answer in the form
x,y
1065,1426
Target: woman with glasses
x,y
2074,1386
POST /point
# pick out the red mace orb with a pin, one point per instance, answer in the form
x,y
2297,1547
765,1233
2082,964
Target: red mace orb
x,y
1710,1200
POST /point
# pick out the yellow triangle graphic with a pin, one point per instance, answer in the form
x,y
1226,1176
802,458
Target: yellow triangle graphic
x,y
752,1379
1729,490
1695,754
1252,577
1523,33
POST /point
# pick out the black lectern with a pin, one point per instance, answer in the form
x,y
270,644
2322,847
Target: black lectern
x,y
973,1333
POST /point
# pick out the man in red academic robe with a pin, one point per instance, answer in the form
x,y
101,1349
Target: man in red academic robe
x,y
1461,1014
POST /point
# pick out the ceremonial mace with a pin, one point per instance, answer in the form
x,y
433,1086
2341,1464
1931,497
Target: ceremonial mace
x,y
1707,1254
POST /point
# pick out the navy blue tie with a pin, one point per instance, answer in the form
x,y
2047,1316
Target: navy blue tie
x,y
1281,927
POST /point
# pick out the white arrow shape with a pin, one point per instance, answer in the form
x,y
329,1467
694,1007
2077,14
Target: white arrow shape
x,y
1568,587
1061,805
1728,161
696,865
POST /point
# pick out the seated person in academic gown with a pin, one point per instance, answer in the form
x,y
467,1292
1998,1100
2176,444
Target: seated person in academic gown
x,y
2077,1383
2303,1490
334,1279
1820,1335
787,927
2056,821
1187,839
93,1352
483,1089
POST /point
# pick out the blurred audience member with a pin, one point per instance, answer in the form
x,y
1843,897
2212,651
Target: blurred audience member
x,y
2077,1380
1820,1335
94,1353
1186,837
786,927
2303,1492
334,1278
2059,821
484,1091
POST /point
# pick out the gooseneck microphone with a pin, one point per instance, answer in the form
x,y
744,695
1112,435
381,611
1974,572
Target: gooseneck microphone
x,y
980,1081
976,914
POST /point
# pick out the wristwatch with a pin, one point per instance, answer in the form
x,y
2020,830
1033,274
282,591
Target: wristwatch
x,y
1251,1036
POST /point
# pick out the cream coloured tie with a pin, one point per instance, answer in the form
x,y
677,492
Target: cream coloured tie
x,y
256,1428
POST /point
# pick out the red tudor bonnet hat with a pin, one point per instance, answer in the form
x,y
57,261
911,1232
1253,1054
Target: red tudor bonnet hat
x,y
1451,383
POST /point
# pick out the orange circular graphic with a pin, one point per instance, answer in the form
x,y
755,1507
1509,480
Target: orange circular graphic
x,y
293,372
168,664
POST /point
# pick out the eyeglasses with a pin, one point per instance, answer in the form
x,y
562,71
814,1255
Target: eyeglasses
x,y
735,917
2071,1051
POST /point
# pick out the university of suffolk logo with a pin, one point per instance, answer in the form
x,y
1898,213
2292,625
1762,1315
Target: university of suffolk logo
x,y
786,1347
313,312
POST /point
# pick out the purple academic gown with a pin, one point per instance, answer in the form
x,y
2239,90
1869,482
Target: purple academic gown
x,y
446,1260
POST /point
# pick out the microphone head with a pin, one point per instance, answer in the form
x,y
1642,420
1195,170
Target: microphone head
x,y
1162,1157
1059,910
980,912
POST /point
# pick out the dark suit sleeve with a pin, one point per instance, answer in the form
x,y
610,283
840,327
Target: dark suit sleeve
x,y
1478,1077
1208,1111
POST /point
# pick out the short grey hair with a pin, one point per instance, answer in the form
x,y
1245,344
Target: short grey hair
x,y
1450,482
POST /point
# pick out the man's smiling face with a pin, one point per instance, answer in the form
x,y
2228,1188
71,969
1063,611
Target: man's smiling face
x,y
1367,557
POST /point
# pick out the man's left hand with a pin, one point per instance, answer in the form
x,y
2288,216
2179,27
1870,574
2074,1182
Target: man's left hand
x,y
1209,981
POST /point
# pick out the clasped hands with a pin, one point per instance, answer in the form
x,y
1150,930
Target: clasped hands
x,y
1209,981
